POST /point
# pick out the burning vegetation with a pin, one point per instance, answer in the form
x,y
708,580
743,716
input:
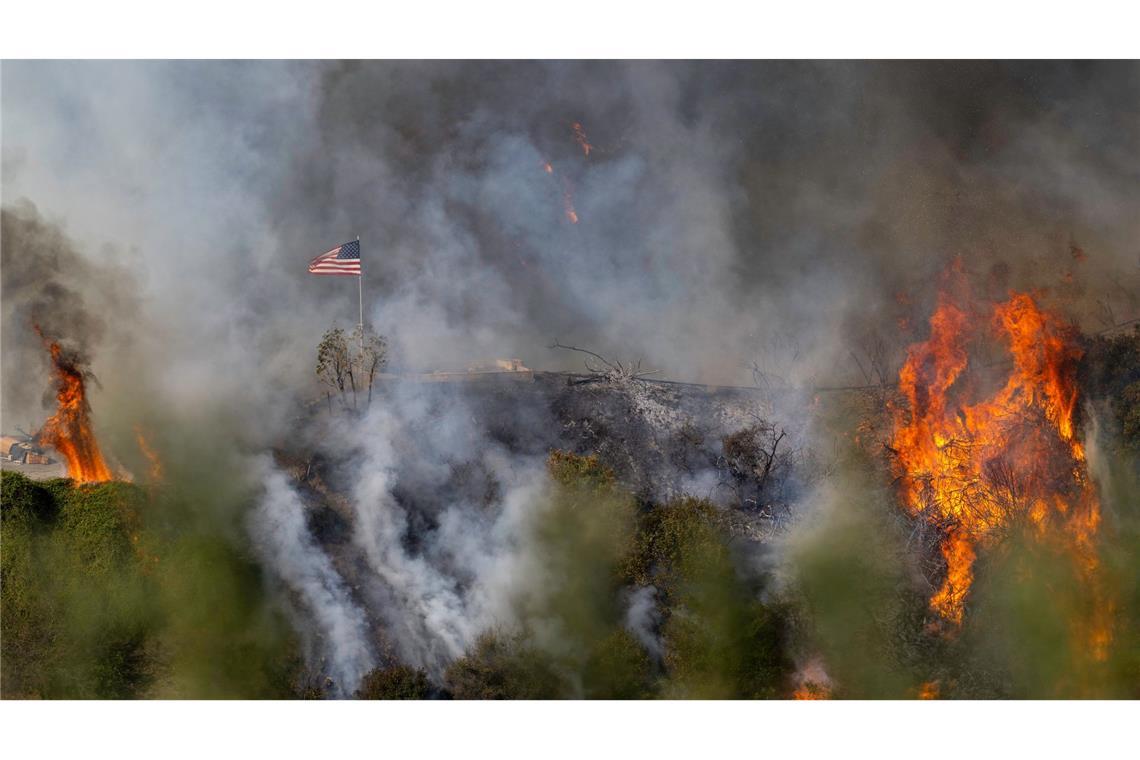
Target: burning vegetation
x,y
973,462
69,430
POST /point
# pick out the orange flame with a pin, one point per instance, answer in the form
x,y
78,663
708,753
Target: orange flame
x,y
580,138
812,681
567,196
571,214
929,690
949,600
971,468
69,430
811,691
156,469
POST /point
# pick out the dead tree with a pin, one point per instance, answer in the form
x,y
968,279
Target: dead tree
x,y
600,368
751,459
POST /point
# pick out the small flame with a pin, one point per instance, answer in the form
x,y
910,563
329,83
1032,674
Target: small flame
x,y
69,430
580,138
929,690
811,691
812,681
571,214
567,196
156,469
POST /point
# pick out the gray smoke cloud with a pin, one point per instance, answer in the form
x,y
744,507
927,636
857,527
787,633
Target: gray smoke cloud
x,y
643,618
787,214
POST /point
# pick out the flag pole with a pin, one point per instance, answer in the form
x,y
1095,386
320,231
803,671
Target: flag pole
x,y
360,293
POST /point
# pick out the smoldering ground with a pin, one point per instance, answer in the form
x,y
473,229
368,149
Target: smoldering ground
x,y
781,217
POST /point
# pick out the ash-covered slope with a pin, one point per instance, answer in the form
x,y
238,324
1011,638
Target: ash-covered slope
x,y
662,439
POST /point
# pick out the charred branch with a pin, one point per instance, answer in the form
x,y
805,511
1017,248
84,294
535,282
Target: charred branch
x,y
601,368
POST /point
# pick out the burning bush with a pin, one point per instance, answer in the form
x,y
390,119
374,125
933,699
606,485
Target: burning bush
x,y
971,468
69,430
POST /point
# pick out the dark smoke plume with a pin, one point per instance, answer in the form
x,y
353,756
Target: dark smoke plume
x,y
50,294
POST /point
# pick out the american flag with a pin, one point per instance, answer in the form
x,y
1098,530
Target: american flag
x,y
344,259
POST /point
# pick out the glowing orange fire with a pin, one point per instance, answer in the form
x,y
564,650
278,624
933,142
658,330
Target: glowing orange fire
x,y
810,692
69,430
156,469
571,214
812,681
971,468
929,690
567,195
580,138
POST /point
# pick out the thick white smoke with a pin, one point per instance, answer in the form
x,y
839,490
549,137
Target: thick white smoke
x,y
642,619
463,577
282,539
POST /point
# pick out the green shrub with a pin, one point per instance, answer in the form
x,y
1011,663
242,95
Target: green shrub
x,y
671,537
504,667
618,667
74,602
1128,410
397,682
720,641
94,603
582,472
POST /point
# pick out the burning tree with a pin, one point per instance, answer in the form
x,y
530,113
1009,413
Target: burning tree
x,y
69,430
973,468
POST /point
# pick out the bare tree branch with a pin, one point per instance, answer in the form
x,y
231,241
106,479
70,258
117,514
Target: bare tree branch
x,y
610,370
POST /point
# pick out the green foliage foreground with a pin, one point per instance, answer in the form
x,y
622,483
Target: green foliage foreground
x,y
117,591
101,599
716,639
111,591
